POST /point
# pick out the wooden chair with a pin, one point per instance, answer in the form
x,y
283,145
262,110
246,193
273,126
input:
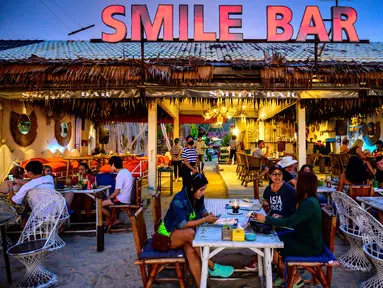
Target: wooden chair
x,y
362,191
315,268
244,169
254,167
151,261
130,209
239,164
157,215
336,165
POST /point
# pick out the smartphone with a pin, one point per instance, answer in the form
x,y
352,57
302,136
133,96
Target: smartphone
x,y
218,216
11,178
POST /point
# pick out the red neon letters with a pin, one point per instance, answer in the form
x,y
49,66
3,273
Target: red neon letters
x,y
279,17
279,26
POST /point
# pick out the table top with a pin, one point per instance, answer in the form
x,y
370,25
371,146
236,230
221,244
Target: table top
x,y
98,189
375,202
5,217
379,190
325,189
210,235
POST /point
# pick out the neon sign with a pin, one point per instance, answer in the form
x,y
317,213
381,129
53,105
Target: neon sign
x,y
279,27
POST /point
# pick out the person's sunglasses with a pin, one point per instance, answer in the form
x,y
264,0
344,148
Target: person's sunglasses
x,y
276,174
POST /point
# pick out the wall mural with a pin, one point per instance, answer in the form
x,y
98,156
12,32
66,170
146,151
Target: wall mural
x,y
23,128
371,133
63,132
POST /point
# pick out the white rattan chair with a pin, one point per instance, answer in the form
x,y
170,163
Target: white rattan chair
x,y
354,259
372,233
37,239
45,193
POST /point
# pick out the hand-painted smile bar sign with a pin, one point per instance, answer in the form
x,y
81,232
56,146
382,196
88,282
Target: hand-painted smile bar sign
x,y
279,26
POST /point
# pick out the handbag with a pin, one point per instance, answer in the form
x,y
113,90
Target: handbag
x,y
160,242
261,227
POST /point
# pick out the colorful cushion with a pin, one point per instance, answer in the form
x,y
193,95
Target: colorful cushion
x,y
107,179
149,253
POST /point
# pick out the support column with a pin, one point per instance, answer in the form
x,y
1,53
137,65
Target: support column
x,y
176,127
152,145
261,129
301,143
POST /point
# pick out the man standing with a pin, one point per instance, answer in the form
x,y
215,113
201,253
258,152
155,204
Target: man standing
x,y
199,145
190,160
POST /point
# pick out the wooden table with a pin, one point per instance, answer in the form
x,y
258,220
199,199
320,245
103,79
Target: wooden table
x,y
5,218
209,236
97,195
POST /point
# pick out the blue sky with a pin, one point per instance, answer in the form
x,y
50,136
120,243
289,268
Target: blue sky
x,y
31,19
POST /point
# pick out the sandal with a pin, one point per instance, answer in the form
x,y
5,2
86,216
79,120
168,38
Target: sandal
x,y
278,282
299,284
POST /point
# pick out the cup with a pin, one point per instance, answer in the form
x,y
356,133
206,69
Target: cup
x,y
84,184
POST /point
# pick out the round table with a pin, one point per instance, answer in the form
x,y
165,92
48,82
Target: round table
x,y
5,218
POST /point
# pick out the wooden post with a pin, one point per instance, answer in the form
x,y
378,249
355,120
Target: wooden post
x,y
301,145
256,188
152,145
100,225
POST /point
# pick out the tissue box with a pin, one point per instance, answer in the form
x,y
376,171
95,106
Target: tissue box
x,y
226,233
238,235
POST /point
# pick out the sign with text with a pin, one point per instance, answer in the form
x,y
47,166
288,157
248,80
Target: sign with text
x,y
279,27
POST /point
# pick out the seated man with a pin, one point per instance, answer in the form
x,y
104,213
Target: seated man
x,y
263,156
288,164
122,192
34,171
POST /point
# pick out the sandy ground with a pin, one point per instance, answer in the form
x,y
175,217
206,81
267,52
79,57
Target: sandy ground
x,y
79,265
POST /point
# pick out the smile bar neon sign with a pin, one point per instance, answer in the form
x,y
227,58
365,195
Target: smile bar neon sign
x,y
279,26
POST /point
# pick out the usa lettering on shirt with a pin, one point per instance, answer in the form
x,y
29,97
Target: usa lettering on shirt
x,y
276,203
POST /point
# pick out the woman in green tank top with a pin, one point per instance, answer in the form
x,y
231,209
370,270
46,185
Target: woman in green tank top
x,y
187,212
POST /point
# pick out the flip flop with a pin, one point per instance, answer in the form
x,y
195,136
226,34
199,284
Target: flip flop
x,y
299,284
278,282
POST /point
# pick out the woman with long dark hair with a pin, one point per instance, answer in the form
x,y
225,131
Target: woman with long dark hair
x,y
187,212
306,239
355,174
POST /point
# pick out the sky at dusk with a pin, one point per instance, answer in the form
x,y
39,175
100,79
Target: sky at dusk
x,y
35,19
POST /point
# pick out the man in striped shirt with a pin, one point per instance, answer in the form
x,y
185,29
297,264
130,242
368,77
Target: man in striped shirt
x,y
190,161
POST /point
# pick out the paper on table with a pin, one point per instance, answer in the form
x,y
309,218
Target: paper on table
x,y
226,221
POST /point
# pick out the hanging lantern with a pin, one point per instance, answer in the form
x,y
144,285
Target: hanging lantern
x,y
220,119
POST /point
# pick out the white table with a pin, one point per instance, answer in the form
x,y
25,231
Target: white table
x,y
379,190
368,202
209,238
95,194
326,191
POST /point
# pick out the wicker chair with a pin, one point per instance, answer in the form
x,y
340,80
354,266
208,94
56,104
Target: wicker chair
x,y
37,239
245,168
372,233
336,165
354,259
43,194
254,167
344,157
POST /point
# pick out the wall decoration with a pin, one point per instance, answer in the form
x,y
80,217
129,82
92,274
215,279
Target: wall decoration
x,y
23,128
63,132
371,134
